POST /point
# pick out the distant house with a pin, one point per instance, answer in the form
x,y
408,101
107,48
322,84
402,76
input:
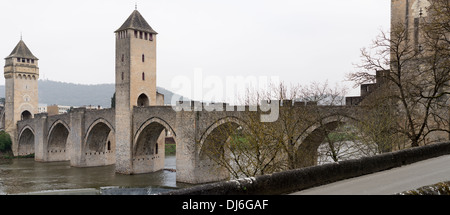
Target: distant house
x,y
42,108
93,107
57,109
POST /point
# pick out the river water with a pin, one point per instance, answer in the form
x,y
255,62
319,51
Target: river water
x,y
26,176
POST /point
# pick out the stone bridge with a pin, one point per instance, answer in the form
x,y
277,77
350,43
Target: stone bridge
x,y
132,135
87,137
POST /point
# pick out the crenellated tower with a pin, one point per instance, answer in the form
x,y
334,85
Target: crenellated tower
x,y
21,92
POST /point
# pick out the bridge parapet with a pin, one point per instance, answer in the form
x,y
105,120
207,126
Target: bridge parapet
x,y
299,179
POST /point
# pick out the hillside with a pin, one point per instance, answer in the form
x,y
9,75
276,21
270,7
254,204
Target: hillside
x,y
54,92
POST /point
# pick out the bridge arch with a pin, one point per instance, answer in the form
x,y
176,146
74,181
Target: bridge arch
x,y
213,153
57,141
146,137
220,129
149,145
26,141
99,137
315,135
321,125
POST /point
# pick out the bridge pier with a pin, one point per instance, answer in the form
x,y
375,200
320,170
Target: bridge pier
x,y
124,155
40,137
76,136
186,147
191,167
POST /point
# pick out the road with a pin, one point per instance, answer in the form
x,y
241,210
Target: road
x,y
388,182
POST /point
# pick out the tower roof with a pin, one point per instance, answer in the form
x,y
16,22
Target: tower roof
x,y
136,22
21,50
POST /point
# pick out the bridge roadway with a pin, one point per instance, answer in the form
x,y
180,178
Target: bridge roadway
x,y
388,182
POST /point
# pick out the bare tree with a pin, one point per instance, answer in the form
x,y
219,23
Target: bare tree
x,y
257,148
244,150
416,84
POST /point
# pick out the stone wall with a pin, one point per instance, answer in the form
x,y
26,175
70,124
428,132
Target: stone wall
x,y
300,179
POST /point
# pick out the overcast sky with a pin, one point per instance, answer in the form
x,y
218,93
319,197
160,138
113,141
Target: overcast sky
x,y
297,40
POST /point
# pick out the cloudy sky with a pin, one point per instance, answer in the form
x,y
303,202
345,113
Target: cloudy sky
x,y
297,41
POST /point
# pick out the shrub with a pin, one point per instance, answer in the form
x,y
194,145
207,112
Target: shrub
x,y
5,142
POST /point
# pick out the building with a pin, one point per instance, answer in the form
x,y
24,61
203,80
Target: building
x,y
93,107
42,108
57,109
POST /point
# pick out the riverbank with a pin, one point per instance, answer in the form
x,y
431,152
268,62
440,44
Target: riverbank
x,y
9,155
6,155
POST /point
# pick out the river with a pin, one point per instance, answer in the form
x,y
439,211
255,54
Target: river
x,y
26,176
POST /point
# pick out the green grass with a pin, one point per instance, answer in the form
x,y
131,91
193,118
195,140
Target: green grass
x,y
341,136
170,149
9,155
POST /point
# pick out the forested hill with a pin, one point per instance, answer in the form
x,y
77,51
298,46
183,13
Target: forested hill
x,y
54,92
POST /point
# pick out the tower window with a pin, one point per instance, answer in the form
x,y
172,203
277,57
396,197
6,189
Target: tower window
x,y
143,76
32,61
140,34
123,58
23,60
122,76
143,58
156,148
151,37
146,36
135,34
18,59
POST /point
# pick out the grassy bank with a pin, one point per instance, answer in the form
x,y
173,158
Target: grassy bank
x,y
9,155
6,155
170,150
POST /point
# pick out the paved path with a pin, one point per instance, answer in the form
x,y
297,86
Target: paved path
x,y
391,181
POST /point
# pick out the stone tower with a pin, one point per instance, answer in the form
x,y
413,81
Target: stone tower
x,y
409,13
135,81
21,92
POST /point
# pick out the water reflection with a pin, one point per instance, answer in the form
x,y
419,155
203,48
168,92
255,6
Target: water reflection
x,y
25,175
